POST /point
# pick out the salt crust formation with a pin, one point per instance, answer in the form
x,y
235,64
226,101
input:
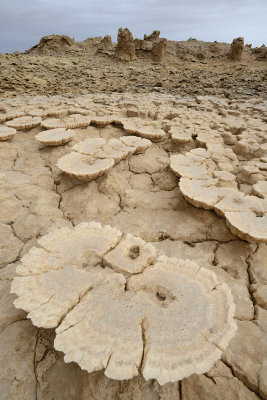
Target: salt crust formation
x,y
140,195
94,157
24,123
70,122
133,126
207,181
116,306
7,133
55,137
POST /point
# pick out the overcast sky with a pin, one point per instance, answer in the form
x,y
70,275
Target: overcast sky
x,y
24,22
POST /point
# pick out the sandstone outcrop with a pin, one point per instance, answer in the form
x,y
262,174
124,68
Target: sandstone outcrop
x,y
153,36
125,49
159,49
260,52
237,48
106,43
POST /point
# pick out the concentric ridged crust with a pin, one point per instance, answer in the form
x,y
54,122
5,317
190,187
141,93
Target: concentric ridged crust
x,y
93,157
253,227
55,137
89,146
22,123
167,317
84,167
7,133
70,122
150,132
139,143
137,127
214,189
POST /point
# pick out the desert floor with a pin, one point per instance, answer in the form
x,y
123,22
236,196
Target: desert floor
x,y
139,195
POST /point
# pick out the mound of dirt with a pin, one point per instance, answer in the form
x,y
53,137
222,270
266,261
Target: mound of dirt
x,y
52,44
260,52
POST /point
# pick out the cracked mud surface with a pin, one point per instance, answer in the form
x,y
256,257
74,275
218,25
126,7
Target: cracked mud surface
x,y
140,195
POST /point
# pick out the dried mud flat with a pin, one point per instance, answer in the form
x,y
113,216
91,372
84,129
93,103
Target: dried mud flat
x,y
139,195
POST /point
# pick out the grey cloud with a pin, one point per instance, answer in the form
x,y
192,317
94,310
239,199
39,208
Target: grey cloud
x,y
24,22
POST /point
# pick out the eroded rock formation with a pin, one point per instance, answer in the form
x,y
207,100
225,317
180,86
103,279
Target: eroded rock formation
x,y
52,44
159,49
125,49
106,45
237,48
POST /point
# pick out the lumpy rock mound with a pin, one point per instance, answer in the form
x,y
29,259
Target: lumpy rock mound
x,y
237,48
125,49
52,44
118,307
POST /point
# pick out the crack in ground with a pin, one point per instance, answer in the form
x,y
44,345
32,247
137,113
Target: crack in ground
x,y
13,322
240,380
35,364
180,390
210,377
143,331
60,207
250,281
56,190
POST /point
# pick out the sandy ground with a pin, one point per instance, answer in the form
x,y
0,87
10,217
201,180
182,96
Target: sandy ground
x,y
140,195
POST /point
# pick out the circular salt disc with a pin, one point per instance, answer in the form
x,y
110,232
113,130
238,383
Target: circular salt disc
x,y
118,307
55,137
84,167
7,133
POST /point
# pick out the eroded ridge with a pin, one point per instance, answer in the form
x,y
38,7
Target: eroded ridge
x,y
93,157
209,181
118,307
